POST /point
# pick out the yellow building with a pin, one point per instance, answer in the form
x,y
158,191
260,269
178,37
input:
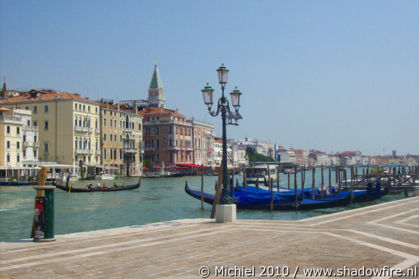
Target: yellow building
x,y
10,139
68,125
121,138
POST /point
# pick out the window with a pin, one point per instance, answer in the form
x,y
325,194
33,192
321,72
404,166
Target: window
x,y
88,108
139,126
46,125
104,153
75,106
28,123
114,137
35,123
35,109
84,107
8,129
96,124
24,153
104,137
110,122
158,143
8,157
18,130
104,121
75,144
27,108
120,138
34,138
18,145
110,137
75,122
8,144
79,106
46,108
114,153
34,153
18,158
46,147
24,137
114,122
120,154
96,110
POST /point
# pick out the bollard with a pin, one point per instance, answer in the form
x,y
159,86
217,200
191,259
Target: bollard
x,y
43,221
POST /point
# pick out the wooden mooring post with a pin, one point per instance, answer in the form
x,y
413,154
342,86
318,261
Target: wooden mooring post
x,y
330,177
244,180
277,179
289,181
313,184
302,182
272,193
295,185
257,180
202,187
322,176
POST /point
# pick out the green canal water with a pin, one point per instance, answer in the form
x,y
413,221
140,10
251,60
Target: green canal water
x,y
157,200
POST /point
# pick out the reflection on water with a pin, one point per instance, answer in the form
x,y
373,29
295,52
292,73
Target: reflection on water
x,y
156,200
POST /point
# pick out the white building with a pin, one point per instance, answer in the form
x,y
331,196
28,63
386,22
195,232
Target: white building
x,y
30,143
261,147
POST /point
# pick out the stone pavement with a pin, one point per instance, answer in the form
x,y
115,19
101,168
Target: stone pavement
x,y
371,237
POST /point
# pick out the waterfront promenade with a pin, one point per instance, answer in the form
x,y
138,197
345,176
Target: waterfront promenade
x,y
386,234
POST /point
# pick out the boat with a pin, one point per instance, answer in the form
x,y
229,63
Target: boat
x,y
304,197
286,200
105,176
15,183
247,201
97,189
262,173
162,174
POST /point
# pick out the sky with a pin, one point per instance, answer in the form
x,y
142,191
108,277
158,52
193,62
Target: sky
x,y
325,75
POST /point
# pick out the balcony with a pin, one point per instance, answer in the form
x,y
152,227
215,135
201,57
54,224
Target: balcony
x,y
83,129
97,131
84,151
10,118
30,128
130,150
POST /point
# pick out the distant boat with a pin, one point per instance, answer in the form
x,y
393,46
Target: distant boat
x,y
260,172
105,176
97,189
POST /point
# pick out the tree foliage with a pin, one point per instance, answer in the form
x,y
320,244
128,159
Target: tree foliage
x,y
257,157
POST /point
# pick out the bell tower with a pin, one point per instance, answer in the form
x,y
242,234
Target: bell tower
x,y
156,91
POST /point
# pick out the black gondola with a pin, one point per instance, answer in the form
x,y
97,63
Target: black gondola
x,y
97,189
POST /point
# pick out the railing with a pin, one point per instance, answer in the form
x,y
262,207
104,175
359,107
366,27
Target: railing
x,y
10,118
84,129
130,150
30,128
84,151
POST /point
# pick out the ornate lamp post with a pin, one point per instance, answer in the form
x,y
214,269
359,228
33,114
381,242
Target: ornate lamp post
x,y
226,114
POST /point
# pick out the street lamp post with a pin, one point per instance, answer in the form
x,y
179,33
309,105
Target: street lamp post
x,y
226,114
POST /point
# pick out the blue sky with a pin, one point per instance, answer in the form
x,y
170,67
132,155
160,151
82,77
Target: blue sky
x,y
328,75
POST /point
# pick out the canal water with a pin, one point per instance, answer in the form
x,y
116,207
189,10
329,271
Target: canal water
x,y
158,199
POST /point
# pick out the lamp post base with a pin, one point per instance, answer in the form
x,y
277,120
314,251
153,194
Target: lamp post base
x,y
225,213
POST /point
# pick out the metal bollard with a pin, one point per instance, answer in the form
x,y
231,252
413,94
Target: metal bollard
x,y
43,221
44,214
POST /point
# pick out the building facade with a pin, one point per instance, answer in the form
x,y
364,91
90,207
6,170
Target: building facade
x,y
203,143
68,125
11,155
167,137
121,139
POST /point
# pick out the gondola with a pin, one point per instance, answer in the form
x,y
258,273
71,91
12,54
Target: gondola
x,y
281,201
96,189
246,201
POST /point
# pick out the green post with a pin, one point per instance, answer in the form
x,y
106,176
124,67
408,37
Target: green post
x,y
44,221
